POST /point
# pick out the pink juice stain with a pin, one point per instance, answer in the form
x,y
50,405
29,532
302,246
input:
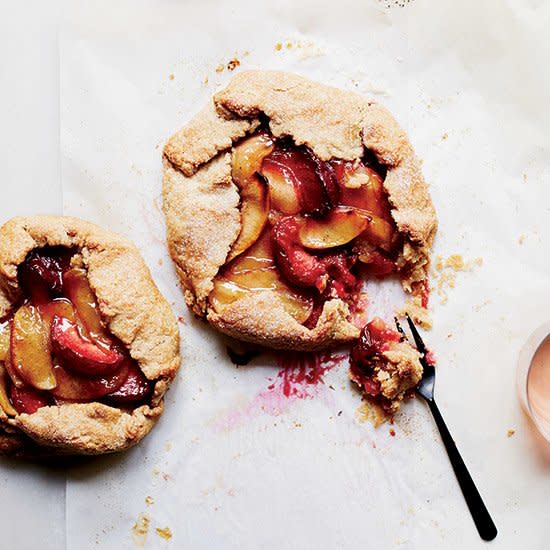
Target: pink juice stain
x,y
300,376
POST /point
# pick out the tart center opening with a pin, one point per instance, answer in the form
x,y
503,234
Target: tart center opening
x,y
54,346
311,230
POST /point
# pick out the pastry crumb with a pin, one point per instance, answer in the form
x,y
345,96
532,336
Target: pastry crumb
x,y
232,64
140,530
289,45
524,178
205,81
370,412
444,273
521,239
171,76
164,532
444,136
220,68
297,424
510,432
149,500
278,46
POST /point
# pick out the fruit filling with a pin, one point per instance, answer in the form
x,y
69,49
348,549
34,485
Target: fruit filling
x,y
383,366
311,230
54,345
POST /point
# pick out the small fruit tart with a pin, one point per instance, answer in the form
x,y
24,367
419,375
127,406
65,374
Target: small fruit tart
x,y
281,197
88,345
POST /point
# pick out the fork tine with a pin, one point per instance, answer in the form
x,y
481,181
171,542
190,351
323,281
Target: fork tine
x,y
400,330
417,338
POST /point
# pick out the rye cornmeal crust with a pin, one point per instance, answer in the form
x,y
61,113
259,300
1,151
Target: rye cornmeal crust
x,y
131,309
205,205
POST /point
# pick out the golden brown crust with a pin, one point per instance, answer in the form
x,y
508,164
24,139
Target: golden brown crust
x,y
135,312
260,318
334,124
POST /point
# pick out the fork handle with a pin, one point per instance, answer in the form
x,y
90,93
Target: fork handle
x,y
485,525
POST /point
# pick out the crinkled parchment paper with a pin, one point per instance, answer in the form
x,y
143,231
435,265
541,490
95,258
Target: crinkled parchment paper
x,y
234,463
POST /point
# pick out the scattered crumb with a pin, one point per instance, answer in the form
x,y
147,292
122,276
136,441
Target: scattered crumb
x,y
165,476
445,272
521,239
164,533
168,445
233,64
392,432
160,262
149,501
171,76
220,68
297,424
304,48
181,320
524,178
205,81
140,530
510,432
444,136
157,146
370,412
339,413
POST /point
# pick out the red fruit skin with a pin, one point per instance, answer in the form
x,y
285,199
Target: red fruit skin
x,y
28,400
343,283
40,277
135,388
314,181
79,354
298,266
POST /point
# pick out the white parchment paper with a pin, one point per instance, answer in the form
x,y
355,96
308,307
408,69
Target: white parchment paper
x,y
233,465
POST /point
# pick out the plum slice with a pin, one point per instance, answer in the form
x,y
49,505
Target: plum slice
x,y
41,274
80,354
28,400
298,266
30,348
73,387
135,388
314,181
246,161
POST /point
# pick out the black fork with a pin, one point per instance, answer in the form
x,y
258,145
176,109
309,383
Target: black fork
x,y
485,525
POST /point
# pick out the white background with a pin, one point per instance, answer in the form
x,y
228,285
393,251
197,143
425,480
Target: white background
x,y
475,73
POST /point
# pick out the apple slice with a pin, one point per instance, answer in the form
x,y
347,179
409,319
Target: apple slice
x,y
362,187
28,400
78,290
79,354
30,348
282,190
379,232
256,271
339,227
245,163
4,340
5,403
254,212
135,388
72,387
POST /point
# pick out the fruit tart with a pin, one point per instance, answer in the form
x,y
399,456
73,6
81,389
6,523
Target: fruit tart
x,y
88,345
281,196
